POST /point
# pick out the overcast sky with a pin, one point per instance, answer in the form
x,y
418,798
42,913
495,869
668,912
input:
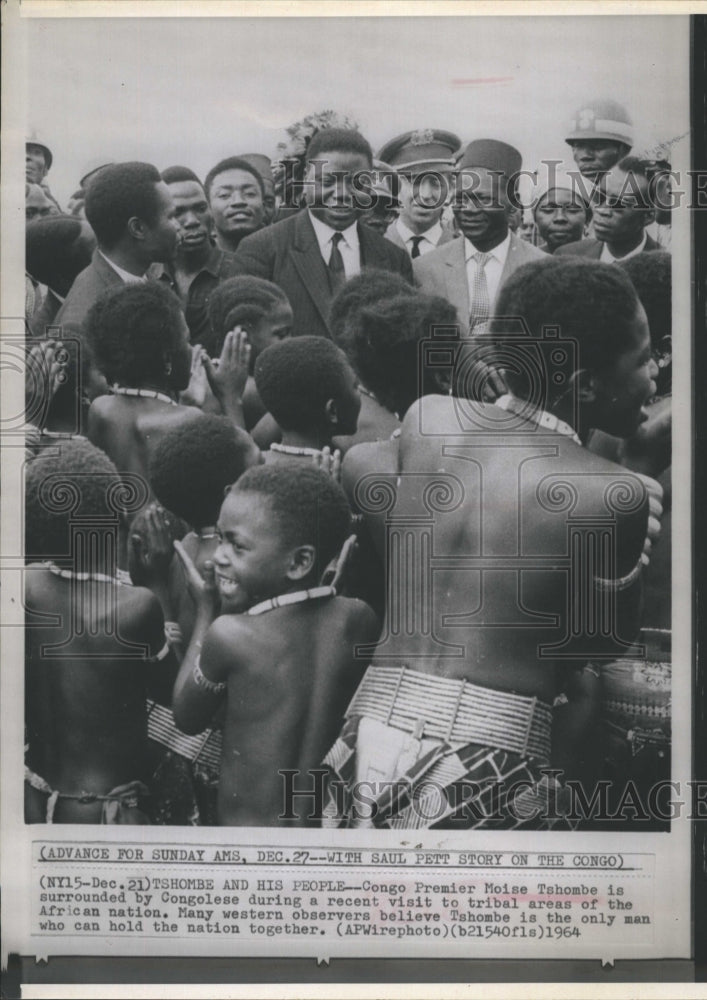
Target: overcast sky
x,y
191,91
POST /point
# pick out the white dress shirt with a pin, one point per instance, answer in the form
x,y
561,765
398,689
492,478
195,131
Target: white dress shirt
x,y
128,278
348,245
493,269
608,257
429,240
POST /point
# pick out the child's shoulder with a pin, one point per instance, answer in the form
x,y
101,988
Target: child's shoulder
x,y
356,614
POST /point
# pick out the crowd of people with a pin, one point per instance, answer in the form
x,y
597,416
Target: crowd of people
x,y
345,486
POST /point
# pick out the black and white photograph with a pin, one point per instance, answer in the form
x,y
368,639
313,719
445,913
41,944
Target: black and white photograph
x,y
346,520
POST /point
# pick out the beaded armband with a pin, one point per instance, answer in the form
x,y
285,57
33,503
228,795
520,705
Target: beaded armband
x,y
655,511
203,682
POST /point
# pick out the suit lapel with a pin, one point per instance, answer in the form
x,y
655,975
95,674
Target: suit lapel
x,y
307,260
372,248
455,277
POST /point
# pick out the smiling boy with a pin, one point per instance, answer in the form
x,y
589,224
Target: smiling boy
x,y
282,656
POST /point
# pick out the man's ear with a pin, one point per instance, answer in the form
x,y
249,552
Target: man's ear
x,y
331,411
136,228
301,562
583,384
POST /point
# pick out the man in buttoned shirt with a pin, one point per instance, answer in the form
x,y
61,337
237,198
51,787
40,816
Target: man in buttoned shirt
x,y
424,161
198,266
469,271
622,210
312,253
131,212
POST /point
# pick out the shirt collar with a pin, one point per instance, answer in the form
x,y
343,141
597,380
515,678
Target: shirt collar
x,y
499,252
213,265
127,276
324,234
432,235
608,257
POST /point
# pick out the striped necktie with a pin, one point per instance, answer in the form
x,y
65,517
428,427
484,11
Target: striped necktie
x,y
480,304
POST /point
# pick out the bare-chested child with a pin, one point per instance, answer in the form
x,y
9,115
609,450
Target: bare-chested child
x,y
140,341
528,552
190,469
87,642
282,655
311,390
262,311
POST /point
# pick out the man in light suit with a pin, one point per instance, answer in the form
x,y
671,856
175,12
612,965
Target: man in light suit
x,y
622,210
424,161
470,271
311,254
132,214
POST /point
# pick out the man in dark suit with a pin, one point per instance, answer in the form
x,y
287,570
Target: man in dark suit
x,y
310,255
469,272
622,210
132,214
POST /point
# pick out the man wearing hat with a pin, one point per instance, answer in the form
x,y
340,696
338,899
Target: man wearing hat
x,y
469,271
562,210
600,134
38,160
424,160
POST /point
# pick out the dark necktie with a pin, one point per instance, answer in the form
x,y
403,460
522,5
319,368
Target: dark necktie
x,y
337,274
416,241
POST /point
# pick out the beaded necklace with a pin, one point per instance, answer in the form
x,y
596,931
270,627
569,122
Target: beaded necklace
x,y
290,449
285,600
121,390
548,421
70,574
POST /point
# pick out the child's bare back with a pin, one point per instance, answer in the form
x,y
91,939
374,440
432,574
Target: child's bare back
x,y
290,674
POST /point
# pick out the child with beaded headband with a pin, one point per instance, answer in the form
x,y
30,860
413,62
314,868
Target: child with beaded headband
x,y
281,657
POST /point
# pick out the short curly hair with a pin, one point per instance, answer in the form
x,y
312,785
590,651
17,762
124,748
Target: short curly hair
x,y
178,175
588,302
385,340
239,300
370,286
296,378
116,193
231,163
193,464
54,251
651,276
338,140
308,507
129,330
72,479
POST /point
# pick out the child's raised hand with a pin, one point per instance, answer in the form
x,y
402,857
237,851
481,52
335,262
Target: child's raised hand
x,y
329,462
151,551
43,376
228,380
202,589
195,392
